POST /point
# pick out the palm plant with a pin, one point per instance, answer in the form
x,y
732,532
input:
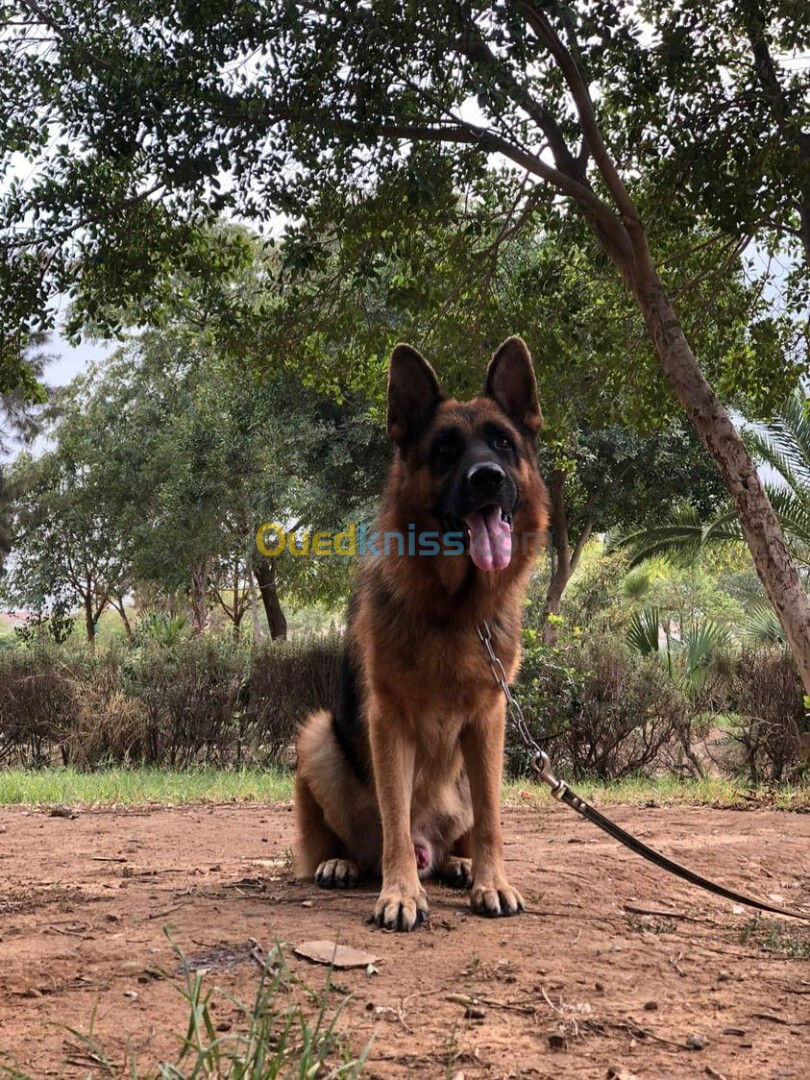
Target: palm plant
x,y
161,627
762,627
784,446
688,657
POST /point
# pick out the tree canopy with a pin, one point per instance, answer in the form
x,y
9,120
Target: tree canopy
x,y
165,462
142,121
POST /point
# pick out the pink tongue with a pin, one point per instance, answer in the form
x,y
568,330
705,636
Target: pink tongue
x,y
490,539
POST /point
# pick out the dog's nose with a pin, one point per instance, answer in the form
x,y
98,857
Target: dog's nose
x,y
486,476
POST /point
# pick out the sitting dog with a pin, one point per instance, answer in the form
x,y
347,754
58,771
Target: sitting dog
x,y
404,778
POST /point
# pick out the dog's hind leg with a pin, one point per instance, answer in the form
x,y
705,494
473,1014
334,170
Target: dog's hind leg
x,y
456,869
334,826
316,843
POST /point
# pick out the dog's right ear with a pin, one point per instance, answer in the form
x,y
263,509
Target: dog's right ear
x,y
413,393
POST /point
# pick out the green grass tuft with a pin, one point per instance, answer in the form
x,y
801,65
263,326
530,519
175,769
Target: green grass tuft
x,y
769,936
143,786
272,1036
167,787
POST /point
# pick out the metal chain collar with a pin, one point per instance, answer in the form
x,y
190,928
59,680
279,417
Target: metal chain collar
x,y
540,760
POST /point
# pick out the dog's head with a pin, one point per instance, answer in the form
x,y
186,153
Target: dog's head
x,y
472,465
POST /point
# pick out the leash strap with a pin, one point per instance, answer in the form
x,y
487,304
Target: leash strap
x,y
561,791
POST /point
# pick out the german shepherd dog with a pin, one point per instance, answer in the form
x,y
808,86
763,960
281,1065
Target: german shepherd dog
x,y
405,777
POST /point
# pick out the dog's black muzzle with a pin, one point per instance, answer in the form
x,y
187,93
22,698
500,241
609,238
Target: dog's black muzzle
x,y
478,483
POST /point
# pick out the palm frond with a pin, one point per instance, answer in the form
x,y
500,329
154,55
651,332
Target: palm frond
x,y
636,583
784,442
702,640
762,627
644,632
793,510
700,643
683,534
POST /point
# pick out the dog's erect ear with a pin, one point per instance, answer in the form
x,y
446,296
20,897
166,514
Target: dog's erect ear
x,y
511,382
413,393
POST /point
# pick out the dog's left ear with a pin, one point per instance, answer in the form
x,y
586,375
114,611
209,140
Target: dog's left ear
x,y
414,393
511,382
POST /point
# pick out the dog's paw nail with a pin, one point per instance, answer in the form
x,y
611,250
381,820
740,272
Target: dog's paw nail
x,y
494,901
457,873
337,874
401,912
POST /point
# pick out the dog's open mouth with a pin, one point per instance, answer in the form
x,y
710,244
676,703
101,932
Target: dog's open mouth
x,y
489,533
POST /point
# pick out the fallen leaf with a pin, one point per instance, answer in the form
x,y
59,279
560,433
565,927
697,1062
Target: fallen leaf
x,y
339,956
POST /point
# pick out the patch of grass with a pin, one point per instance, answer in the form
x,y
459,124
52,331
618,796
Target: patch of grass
x,y
773,937
167,787
270,1036
138,787
671,791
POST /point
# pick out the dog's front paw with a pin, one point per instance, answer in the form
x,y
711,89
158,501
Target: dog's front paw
x,y
495,896
456,872
337,874
401,908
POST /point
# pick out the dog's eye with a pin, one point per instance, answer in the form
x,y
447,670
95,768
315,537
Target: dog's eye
x,y
502,443
445,448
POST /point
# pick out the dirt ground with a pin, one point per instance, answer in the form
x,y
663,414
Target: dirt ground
x,y
615,966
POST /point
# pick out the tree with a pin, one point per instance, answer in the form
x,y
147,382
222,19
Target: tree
x,y
612,450
21,418
720,117
167,125
67,551
186,456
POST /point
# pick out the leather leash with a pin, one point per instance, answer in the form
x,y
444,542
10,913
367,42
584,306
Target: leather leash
x,y
561,791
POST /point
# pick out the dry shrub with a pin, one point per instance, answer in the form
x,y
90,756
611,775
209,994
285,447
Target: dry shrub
x,y
287,681
191,695
37,704
597,708
766,696
630,712
109,729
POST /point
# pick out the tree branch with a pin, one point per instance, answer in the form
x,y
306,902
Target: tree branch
x,y
475,48
582,100
43,16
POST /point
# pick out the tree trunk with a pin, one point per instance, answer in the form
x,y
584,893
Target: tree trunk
x,y
265,571
254,608
198,592
119,607
89,621
760,526
561,564
565,560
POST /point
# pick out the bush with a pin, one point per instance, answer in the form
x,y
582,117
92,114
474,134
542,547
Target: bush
x,y
191,695
161,701
597,709
109,729
286,683
38,699
766,697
